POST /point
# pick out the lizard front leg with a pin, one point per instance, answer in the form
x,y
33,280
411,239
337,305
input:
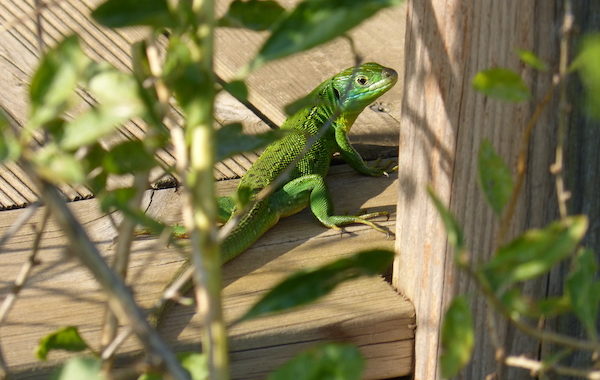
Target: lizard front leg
x,y
312,187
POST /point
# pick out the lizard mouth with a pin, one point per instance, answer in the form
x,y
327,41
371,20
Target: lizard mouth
x,y
388,80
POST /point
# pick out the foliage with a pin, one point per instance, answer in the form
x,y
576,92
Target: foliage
x,y
532,254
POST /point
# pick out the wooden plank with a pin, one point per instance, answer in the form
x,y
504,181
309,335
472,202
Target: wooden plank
x,y
366,312
444,120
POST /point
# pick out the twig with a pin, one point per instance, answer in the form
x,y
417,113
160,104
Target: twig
x,y
537,368
119,295
522,164
121,259
21,220
39,6
20,281
557,167
39,28
25,270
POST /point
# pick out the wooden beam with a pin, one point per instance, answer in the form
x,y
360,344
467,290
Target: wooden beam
x,y
443,122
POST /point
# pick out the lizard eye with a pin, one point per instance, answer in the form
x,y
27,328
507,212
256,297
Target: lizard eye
x,y
362,80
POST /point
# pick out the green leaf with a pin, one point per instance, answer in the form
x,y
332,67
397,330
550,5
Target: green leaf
x,y
494,177
586,63
237,89
517,303
252,14
458,338
314,22
192,85
329,361
10,148
128,157
532,60
119,199
79,368
455,235
118,95
54,82
195,363
584,290
66,338
502,84
122,13
58,166
231,140
534,253
307,286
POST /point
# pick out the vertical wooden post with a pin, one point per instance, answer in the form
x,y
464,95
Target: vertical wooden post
x,y
443,122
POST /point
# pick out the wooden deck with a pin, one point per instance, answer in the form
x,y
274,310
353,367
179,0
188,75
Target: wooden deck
x,y
366,312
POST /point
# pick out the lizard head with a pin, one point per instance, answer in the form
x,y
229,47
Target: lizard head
x,y
357,87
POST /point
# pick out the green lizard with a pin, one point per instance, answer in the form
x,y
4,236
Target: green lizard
x,y
333,107
336,102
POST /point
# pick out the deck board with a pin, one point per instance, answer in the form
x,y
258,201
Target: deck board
x,y
366,312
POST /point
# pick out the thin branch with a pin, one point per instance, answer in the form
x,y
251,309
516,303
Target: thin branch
x,y
39,28
21,220
25,270
522,164
557,167
39,7
20,281
121,259
119,295
537,368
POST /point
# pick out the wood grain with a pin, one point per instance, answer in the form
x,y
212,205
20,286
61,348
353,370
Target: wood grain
x,y
366,312
443,122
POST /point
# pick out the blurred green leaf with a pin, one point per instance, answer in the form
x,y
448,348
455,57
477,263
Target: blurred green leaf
x,y
494,177
195,363
155,111
58,166
324,362
307,286
586,63
515,302
314,22
584,290
128,157
54,82
10,148
534,253
455,235
192,85
118,95
122,13
252,14
304,102
80,368
532,60
66,338
231,140
502,84
458,338
237,89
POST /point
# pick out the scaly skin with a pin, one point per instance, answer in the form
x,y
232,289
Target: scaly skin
x,y
345,95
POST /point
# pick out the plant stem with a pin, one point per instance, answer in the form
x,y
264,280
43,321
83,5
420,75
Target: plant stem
x,y
200,211
121,261
537,368
557,167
